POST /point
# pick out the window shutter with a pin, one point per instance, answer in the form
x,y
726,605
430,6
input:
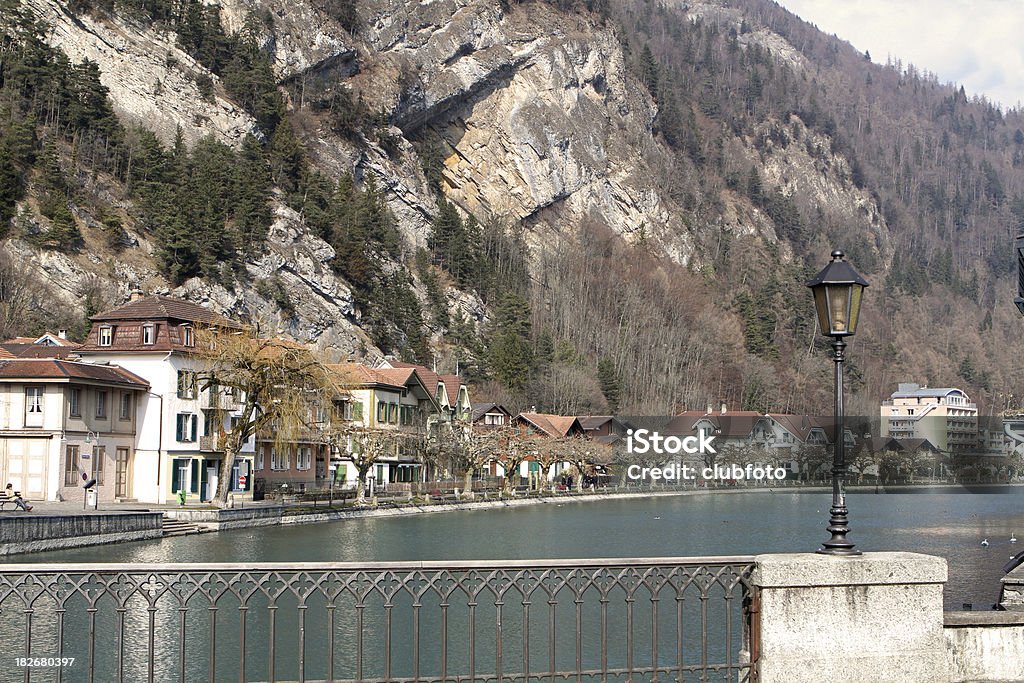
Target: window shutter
x,y
180,432
195,423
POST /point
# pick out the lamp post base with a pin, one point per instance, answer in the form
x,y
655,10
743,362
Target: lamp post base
x,y
838,526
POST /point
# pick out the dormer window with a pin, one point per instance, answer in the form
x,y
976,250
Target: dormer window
x,y
148,333
106,337
187,336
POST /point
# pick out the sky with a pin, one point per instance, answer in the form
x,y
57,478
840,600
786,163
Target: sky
x,y
975,43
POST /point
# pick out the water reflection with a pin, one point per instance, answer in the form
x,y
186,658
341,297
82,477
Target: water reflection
x,y
949,525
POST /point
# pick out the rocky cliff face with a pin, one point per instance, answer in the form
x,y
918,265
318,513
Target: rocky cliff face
x,y
539,121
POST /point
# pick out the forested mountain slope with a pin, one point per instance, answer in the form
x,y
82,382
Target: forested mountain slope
x,y
585,206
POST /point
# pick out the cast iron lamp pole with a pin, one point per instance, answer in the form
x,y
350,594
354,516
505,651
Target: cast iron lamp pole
x,y
838,290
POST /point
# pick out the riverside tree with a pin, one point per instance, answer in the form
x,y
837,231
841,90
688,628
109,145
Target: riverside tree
x,y
368,446
280,383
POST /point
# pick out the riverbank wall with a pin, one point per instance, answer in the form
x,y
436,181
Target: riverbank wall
x,y
26,533
239,518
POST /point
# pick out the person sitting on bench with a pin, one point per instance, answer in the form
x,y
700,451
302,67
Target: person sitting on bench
x,y
11,494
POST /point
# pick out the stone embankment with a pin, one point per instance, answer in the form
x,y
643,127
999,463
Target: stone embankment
x,y
28,533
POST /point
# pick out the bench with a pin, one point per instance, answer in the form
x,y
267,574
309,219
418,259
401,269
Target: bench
x,y
4,502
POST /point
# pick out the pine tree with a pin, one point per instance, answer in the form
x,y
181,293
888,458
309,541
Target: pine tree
x,y
512,355
252,189
611,385
649,71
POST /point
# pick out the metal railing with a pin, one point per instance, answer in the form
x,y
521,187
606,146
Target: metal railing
x,y
678,619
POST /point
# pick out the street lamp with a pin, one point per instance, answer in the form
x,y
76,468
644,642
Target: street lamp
x,y
838,289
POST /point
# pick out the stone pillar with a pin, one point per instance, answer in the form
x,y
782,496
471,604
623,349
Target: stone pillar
x,y
875,617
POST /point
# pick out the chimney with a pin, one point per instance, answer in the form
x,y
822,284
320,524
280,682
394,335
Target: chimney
x,y
135,293
710,408
723,406
63,334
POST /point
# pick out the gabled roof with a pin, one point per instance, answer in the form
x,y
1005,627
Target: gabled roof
x,y
427,376
55,369
49,338
358,375
33,350
556,426
47,346
430,379
160,307
480,410
452,384
592,422
728,424
799,426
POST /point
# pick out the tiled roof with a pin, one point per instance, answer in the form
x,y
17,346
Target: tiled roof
x,y
57,369
57,340
38,350
431,379
452,383
799,426
357,374
159,307
4,353
592,422
482,409
556,426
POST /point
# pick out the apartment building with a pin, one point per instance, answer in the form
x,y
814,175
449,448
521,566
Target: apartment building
x,y
182,420
64,422
945,416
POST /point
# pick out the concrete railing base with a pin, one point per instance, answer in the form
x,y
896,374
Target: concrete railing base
x,y
874,617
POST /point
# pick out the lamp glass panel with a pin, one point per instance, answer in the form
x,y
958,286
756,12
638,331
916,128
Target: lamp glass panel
x,y
839,308
821,306
857,291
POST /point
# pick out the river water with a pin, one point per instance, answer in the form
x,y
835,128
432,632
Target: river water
x,y
951,525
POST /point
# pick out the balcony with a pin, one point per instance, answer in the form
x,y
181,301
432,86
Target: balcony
x,y
213,443
218,398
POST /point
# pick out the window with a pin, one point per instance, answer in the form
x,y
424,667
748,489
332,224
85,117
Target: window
x,y
357,412
492,419
303,458
382,412
187,336
186,384
99,455
74,402
279,461
407,413
259,458
186,427
126,406
148,333
71,466
106,335
34,400
393,413
101,405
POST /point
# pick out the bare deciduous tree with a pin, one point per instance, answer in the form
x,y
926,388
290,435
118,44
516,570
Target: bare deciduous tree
x,y
280,384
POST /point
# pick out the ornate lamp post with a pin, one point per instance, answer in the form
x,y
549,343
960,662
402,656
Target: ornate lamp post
x,y
838,289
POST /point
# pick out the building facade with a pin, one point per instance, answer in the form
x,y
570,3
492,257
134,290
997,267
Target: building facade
x,y
946,417
182,417
63,423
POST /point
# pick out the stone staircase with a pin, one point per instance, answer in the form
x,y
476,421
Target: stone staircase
x,y
174,527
